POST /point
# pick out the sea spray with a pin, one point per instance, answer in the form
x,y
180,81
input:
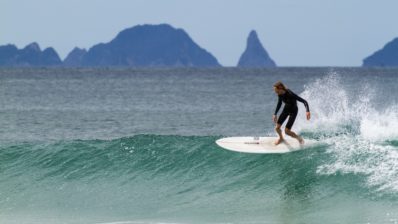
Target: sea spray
x,y
356,131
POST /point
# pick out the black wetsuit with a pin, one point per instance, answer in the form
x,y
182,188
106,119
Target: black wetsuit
x,y
290,109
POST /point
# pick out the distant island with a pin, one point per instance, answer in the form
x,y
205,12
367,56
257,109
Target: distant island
x,y
255,54
386,57
140,46
147,46
158,46
31,55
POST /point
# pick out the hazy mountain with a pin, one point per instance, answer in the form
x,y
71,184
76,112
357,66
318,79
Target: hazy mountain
x,y
150,46
386,57
31,55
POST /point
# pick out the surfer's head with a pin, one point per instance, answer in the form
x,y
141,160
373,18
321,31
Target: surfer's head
x,y
279,88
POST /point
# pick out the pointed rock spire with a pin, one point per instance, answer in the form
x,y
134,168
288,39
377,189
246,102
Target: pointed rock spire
x,y
255,55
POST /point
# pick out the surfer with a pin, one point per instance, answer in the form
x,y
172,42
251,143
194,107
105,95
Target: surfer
x,y
290,99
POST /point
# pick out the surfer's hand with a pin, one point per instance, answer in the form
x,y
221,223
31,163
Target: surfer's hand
x,y
274,118
308,115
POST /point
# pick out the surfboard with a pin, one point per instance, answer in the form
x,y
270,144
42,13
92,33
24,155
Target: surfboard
x,y
262,144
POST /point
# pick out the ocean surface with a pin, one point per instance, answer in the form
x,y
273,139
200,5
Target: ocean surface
x,y
123,146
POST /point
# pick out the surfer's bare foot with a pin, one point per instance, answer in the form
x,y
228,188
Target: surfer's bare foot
x,y
301,140
277,142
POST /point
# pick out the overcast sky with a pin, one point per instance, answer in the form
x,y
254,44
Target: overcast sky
x,y
294,32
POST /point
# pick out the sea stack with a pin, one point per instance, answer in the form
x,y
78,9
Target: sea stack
x,y
385,57
255,54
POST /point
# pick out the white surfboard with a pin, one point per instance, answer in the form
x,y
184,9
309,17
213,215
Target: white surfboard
x,y
262,144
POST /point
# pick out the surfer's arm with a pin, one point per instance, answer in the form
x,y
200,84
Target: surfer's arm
x,y
278,106
307,108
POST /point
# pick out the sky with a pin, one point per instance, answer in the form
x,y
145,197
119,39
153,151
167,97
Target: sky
x,y
294,32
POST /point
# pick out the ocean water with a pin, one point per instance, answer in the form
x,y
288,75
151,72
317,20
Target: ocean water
x,y
90,146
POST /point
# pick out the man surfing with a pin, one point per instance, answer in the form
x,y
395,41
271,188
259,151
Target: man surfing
x,y
290,109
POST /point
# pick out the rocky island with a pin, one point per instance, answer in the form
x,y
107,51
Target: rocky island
x,y
255,54
385,57
149,46
140,46
31,55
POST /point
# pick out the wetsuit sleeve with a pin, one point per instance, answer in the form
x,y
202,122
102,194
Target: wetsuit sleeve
x,y
307,108
278,105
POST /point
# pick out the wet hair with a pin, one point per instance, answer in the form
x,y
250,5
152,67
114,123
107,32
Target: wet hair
x,y
280,85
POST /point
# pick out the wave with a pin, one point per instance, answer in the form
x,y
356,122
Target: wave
x,y
156,176
190,163
153,176
362,137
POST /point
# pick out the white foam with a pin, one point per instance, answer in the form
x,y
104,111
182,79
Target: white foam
x,y
378,163
356,130
380,125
